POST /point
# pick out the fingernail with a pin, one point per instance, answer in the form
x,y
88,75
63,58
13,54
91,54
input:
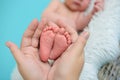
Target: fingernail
x,y
85,34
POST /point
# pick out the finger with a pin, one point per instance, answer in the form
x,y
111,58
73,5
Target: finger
x,y
101,6
69,29
97,8
15,51
78,46
27,37
52,24
81,41
36,36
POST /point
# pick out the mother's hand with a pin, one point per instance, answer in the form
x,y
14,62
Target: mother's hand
x,y
27,57
69,65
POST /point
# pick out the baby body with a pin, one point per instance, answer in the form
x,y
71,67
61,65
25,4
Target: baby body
x,y
71,12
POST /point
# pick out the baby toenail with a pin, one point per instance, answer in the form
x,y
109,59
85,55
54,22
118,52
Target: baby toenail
x,y
65,33
55,30
67,36
62,29
69,42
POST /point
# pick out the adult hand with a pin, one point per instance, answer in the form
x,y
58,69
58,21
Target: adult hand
x,y
69,65
27,57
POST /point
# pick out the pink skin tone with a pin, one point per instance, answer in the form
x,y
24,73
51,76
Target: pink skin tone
x,y
53,42
32,68
72,12
77,5
81,5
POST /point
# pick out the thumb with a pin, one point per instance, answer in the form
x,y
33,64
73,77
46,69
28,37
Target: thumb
x,y
79,45
15,51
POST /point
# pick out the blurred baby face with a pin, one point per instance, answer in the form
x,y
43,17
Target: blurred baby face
x,y
77,5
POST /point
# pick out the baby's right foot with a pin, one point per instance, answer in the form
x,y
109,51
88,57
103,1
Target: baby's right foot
x,y
61,42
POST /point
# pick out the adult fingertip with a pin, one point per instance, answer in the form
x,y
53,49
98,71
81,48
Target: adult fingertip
x,y
43,23
34,21
85,35
8,43
44,20
15,51
81,41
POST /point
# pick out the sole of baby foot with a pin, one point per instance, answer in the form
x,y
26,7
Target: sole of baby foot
x,y
61,43
46,42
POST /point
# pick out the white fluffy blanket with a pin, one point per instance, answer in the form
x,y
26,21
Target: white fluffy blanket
x,y
103,43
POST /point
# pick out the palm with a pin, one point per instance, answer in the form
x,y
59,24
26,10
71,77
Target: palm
x,y
29,62
54,69
32,64
68,65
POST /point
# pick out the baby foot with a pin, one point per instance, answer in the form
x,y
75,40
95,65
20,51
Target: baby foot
x,y
53,42
46,42
61,42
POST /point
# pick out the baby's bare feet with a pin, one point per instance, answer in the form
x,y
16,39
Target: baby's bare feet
x,y
53,42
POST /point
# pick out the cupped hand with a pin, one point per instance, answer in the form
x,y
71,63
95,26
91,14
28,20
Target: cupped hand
x,y
69,65
29,64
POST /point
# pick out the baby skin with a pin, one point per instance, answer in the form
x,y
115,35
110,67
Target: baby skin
x,y
72,12
54,41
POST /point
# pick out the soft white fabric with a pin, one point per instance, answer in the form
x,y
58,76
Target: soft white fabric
x,y
103,43
16,75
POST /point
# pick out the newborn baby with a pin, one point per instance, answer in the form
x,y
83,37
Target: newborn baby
x,y
72,12
55,39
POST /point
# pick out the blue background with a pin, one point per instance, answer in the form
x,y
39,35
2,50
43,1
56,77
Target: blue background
x,y
15,16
